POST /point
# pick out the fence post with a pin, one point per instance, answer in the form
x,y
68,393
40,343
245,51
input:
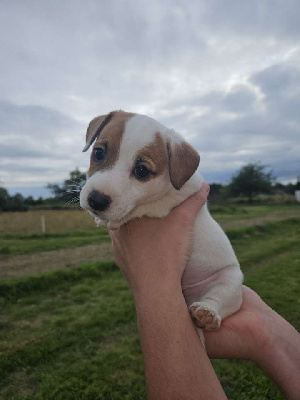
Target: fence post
x,y
43,224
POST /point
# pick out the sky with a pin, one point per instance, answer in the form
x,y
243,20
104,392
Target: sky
x,y
224,74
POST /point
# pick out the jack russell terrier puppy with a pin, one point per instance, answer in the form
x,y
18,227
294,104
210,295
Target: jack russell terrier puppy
x,y
141,168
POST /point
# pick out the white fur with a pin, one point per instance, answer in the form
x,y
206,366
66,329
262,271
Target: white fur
x,y
212,281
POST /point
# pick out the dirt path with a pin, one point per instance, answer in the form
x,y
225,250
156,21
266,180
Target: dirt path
x,y
35,263
257,220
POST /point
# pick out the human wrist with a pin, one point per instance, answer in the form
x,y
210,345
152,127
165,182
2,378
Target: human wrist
x,y
276,336
280,357
154,279
156,290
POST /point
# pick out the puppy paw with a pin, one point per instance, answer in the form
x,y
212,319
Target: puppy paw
x,y
100,223
205,316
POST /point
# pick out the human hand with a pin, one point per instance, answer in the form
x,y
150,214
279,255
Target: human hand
x,y
150,252
258,333
153,253
245,334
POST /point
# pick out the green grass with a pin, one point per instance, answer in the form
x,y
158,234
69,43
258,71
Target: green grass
x,y
25,244
260,242
71,334
66,331
245,212
15,243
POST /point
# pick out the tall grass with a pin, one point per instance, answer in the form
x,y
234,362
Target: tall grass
x,y
78,220
56,221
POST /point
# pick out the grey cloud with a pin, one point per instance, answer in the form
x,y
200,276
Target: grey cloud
x,y
185,64
37,142
35,131
240,99
33,120
265,130
15,151
22,168
281,86
278,79
100,41
257,18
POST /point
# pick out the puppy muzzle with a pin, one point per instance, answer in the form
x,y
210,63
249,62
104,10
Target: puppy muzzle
x,y
98,201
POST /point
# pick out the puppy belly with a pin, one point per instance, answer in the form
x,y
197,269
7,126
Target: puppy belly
x,y
196,282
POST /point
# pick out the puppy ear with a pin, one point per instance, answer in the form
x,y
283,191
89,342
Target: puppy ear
x,y
183,162
95,127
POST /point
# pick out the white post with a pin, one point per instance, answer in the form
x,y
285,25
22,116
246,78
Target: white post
x,y
43,224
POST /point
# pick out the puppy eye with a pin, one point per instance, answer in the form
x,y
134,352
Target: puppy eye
x,y
141,171
99,153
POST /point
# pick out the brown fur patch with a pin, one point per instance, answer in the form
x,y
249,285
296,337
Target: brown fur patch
x,y
154,157
110,136
183,162
95,126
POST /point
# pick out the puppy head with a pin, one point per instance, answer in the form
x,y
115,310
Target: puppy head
x,y
135,160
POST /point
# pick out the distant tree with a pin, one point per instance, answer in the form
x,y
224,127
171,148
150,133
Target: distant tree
x,y
4,199
216,192
70,188
279,186
17,203
39,201
29,201
250,181
288,188
11,203
215,188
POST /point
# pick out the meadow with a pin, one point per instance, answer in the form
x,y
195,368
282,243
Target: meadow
x,y
70,332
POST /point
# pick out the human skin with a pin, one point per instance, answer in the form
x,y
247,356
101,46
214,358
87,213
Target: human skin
x,y
258,333
152,254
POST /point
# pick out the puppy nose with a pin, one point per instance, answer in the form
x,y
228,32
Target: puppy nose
x,y
98,201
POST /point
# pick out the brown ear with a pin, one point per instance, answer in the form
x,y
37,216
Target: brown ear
x,y
95,127
183,162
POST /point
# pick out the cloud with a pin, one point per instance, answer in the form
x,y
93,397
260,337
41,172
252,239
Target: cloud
x,y
37,121
37,143
260,19
224,74
254,121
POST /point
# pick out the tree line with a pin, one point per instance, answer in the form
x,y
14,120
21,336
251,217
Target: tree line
x,y
64,195
250,181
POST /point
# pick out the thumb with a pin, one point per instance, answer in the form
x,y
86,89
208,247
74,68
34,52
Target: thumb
x,y
197,200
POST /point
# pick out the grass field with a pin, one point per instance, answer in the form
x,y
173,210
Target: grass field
x,y
71,333
24,244
20,231
70,221
56,221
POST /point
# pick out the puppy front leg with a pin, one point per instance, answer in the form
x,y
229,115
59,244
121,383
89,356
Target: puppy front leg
x,y
221,300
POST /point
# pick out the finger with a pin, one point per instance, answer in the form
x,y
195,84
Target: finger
x,y
197,201
114,235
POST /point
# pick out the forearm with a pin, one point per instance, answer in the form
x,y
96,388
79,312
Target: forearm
x,y
281,359
176,364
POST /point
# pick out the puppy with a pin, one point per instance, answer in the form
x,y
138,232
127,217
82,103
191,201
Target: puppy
x,y
141,168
